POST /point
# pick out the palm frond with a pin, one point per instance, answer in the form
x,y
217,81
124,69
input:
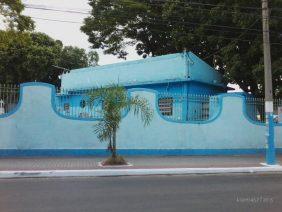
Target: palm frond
x,y
103,130
141,106
115,101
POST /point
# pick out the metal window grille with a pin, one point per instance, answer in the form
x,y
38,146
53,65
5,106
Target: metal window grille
x,y
75,104
9,98
67,107
255,109
180,107
165,106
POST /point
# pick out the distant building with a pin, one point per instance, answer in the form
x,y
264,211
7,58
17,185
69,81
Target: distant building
x,y
175,74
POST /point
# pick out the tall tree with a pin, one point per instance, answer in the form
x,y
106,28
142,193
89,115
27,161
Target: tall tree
x,y
26,56
225,33
31,56
93,58
11,10
73,57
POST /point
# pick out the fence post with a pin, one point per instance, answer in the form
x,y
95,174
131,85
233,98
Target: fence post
x,y
185,102
270,148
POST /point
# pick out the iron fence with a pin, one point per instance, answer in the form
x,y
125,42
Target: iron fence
x,y
179,107
255,108
76,104
9,97
176,107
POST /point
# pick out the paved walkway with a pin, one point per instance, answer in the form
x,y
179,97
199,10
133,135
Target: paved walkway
x,y
83,163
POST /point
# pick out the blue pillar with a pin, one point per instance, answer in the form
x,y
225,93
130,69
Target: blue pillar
x,y
270,145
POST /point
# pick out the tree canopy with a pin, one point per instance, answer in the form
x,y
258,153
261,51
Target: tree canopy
x,y
34,56
227,34
11,10
26,55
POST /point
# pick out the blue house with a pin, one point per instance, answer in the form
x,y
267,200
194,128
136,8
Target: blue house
x,y
180,79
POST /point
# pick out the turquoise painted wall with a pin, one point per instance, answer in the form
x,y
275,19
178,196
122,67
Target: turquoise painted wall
x,y
181,73
166,68
35,126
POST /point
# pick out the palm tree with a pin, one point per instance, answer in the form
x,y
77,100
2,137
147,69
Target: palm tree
x,y
115,101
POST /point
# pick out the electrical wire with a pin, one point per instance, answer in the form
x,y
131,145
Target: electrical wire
x,y
217,5
175,21
228,38
39,7
165,22
57,20
55,9
239,37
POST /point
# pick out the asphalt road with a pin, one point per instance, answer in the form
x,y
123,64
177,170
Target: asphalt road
x,y
248,192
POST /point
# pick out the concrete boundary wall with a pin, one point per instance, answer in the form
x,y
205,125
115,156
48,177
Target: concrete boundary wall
x,y
35,128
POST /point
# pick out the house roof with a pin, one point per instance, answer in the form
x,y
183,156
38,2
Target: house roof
x,y
167,68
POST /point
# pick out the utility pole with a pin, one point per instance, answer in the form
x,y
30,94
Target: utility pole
x,y
270,146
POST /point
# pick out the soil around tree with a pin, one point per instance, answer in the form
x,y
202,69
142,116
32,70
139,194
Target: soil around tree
x,y
111,161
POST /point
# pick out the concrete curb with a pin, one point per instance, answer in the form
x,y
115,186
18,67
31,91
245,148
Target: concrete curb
x,y
136,172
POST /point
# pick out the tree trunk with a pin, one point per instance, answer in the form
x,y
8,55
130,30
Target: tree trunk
x,y
110,146
114,154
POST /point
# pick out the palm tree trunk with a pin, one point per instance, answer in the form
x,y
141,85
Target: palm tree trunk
x,y
110,146
114,154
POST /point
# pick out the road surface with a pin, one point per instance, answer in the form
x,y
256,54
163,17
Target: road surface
x,y
236,192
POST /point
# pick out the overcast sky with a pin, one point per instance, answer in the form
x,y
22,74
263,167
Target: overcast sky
x,y
69,33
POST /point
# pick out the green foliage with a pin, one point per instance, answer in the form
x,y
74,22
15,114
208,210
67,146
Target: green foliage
x,y
115,100
26,56
11,11
169,26
73,57
93,58
32,56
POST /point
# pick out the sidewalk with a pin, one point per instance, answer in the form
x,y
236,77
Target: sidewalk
x,y
86,163
88,166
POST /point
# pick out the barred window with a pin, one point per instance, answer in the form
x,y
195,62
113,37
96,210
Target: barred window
x,y
205,110
67,107
82,103
166,106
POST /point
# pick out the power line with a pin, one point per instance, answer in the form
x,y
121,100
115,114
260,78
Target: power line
x,y
43,7
276,9
86,13
55,9
57,20
163,22
220,36
228,38
217,5
39,7
154,21
214,25
239,37
228,11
